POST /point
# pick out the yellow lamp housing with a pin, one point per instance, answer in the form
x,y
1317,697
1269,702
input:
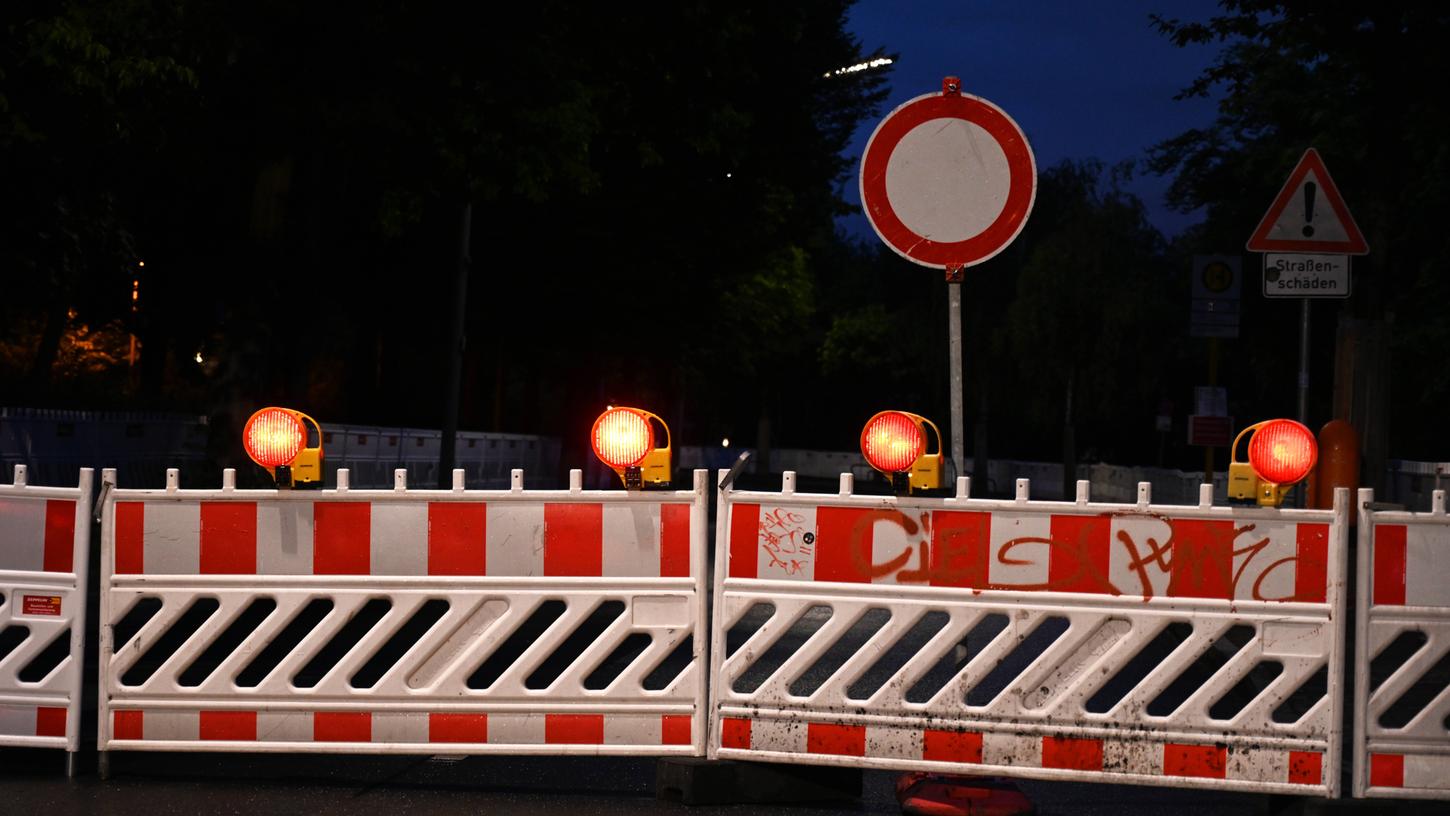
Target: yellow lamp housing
x,y
895,443
1281,453
288,444
624,439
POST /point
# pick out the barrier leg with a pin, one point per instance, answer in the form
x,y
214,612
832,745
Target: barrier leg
x,y
103,765
70,764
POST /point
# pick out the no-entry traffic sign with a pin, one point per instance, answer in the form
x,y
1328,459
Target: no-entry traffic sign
x,y
948,179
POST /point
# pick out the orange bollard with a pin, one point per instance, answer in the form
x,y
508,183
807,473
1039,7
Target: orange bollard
x,y
1338,463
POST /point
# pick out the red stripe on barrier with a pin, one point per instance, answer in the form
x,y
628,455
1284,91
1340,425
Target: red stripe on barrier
x,y
1078,560
60,536
1306,768
127,725
1204,761
457,538
342,538
1202,565
458,727
960,549
574,729
1072,754
675,729
951,746
1389,564
342,726
837,740
236,726
1387,770
675,541
574,539
130,538
844,543
735,733
744,541
1311,569
49,722
228,538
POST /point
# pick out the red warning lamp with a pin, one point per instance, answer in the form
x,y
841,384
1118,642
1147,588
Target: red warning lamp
x,y
288,444
891,441
624,439
1281,453
894,442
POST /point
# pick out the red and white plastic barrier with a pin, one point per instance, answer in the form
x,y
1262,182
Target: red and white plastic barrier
x,y
1163,645
405,621
1402,655
45,537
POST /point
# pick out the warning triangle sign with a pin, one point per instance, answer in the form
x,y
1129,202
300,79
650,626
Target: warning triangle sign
x,y
1308,215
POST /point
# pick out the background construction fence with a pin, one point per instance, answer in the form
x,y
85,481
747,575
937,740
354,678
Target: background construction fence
x,y
45,545
404,621
1163,645
1402,653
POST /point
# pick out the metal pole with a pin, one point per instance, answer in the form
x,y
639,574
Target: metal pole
x,y
954,330
1304,361
457,340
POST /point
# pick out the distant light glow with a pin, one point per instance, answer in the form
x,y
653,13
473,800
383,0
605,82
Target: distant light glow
x,y
725,443
141,263
879,62
729,175
198,358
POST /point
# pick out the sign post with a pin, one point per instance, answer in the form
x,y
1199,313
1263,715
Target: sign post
x,y
947,182
1307,236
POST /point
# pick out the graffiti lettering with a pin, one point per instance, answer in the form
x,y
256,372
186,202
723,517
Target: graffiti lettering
x,y
787,543
1192,569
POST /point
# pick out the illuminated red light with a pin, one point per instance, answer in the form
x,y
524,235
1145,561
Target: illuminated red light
x,y
273,437
1282,451
622,437
892,441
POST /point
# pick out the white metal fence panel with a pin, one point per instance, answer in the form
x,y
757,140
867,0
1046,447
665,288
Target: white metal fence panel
x,y
1175,646
45,541
1402,653
404,621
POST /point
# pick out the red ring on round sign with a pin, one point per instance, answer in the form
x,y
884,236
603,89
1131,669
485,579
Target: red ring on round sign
x,y
1021,191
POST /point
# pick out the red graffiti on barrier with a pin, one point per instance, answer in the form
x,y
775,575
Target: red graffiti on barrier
x,y
786,541
1216,570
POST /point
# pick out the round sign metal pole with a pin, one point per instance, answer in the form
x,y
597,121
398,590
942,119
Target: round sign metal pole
x,y
947,182
954,341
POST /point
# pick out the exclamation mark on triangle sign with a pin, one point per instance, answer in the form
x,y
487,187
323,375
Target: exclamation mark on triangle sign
x,y
1310,188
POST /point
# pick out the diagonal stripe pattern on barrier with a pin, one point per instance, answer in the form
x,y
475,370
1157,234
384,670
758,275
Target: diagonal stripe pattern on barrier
x,y
1402,653
404,621
1163,645
45,535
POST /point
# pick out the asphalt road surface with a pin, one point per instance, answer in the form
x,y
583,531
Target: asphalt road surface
x,y
156,784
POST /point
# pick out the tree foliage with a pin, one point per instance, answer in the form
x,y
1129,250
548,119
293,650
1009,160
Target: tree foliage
x,y
1361,83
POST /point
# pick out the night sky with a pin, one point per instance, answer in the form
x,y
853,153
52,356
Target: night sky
x,y
1084,80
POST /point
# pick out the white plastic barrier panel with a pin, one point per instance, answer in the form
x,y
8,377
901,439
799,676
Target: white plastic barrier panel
x,y
1159,645
1402,653
404,621
45,548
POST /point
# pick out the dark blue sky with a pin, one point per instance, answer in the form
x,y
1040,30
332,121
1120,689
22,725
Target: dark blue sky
x,y
1083,79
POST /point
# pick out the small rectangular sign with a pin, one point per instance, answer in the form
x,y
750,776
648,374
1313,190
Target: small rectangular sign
x,y
1306,276
47,605
1210,431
